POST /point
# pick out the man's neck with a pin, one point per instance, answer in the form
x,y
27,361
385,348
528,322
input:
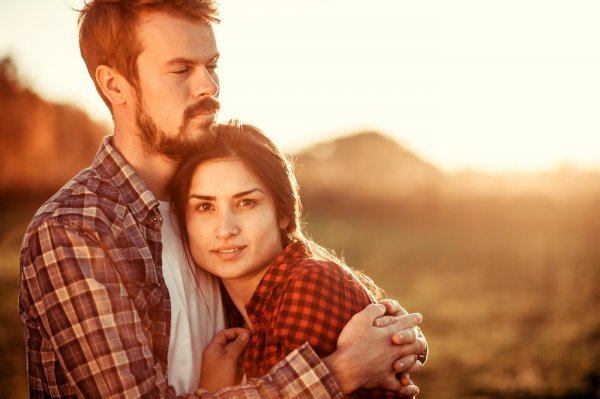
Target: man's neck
x,y
155,170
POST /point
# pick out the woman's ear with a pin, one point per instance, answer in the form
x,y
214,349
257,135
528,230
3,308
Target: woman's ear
x,y
113,85
284,222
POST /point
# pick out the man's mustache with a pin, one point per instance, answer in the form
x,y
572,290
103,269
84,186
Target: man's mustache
x,y
206,105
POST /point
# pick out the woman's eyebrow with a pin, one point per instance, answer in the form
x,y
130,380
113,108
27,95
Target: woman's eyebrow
x,y
243,193
237,195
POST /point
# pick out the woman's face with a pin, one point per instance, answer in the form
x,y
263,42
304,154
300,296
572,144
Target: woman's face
x,y
231,221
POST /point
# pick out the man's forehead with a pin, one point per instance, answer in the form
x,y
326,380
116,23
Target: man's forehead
x,y
167,34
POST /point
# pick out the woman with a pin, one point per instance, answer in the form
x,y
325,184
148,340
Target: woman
x,y
239,213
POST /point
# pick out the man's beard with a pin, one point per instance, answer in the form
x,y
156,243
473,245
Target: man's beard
x,y
183,143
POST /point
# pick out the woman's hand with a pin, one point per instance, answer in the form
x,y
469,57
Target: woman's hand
x,y
220,358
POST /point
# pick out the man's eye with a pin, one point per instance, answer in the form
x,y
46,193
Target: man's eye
x,y
212,67
181,71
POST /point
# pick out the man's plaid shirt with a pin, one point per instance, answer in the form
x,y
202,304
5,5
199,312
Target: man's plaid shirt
x,y
300,300
93,303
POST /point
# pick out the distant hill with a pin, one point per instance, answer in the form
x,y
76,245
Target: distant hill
x,y
41,144
365,165
373,168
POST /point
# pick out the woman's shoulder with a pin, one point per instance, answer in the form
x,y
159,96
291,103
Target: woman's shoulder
x,y
327,275
321,275
316,267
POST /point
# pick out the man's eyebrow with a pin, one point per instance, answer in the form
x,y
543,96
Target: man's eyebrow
x,y
183,60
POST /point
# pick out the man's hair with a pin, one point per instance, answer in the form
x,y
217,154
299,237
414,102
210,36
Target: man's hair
x,y
108,32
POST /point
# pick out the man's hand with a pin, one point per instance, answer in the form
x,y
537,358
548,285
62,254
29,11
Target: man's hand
x,y
365,353
220,358
413,361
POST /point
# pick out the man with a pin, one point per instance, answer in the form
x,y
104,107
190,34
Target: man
x,y
106,305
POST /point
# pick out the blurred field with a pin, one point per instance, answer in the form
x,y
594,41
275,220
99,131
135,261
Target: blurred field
x,y
508,289
13,221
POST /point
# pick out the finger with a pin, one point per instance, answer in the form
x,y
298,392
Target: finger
x,y
393,308
237,347
416,367
405,363
408,391
371,312
223,337
384,321
393,384
404,378
407,336
403,322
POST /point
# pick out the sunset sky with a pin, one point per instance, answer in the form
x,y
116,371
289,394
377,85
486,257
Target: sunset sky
x,y
498,85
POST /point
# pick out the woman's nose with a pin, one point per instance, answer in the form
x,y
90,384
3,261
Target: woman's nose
x,y
227,225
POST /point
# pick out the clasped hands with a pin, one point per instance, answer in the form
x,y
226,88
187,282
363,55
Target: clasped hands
x,y
378,348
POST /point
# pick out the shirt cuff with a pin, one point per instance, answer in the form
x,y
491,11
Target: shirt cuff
x,y
305,375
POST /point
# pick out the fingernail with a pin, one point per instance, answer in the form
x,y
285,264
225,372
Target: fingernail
x,y
419,317
400,337
244,337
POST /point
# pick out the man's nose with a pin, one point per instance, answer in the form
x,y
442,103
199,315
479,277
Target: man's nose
x,y
206,83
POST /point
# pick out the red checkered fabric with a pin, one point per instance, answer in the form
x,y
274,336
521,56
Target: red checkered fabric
x,y
302,300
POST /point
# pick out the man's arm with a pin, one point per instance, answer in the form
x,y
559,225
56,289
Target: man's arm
x,y
89,335
363,360
366,353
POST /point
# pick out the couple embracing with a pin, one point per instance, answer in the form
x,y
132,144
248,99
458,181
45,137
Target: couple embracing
x,y
176,264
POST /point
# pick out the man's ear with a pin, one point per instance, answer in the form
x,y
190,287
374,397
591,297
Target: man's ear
x,y
113,85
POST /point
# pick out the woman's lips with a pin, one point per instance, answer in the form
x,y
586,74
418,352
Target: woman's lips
x,y
230,252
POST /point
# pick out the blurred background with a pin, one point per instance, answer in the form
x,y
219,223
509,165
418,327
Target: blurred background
x,y
449,149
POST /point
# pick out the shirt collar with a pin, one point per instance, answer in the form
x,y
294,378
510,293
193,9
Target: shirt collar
x,y
114,168
277,273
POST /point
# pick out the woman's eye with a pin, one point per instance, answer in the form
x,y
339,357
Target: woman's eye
x,y
247,203
204,207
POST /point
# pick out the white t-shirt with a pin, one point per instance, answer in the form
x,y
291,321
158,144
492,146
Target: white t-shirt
x,y
196,310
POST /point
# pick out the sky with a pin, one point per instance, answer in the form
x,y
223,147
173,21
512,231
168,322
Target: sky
x,y
494,85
